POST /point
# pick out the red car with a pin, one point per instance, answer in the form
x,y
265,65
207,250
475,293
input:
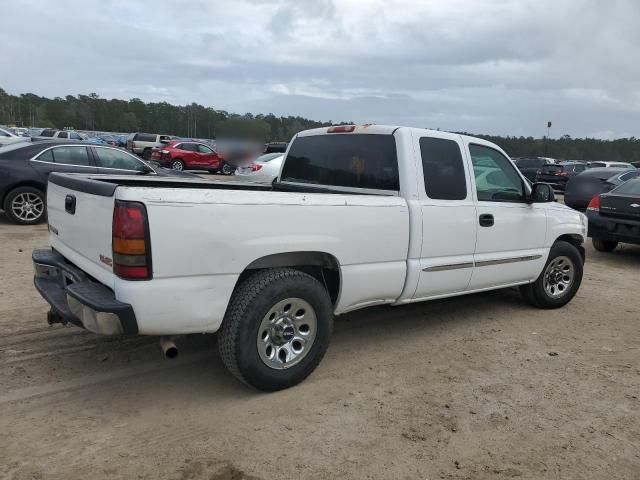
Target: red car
x,y
188,155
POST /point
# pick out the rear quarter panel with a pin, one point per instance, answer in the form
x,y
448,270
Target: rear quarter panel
x,y
217,233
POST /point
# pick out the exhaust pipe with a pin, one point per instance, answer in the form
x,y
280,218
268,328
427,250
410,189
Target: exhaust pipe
x,y
168,347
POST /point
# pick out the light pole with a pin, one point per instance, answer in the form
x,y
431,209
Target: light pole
x,y
546,142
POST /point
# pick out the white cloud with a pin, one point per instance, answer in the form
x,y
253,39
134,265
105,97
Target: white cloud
x,y
496,66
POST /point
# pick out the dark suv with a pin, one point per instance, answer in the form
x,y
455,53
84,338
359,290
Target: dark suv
x,y
531,166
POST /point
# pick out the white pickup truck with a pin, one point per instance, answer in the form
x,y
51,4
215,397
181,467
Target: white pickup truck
x,y
358,216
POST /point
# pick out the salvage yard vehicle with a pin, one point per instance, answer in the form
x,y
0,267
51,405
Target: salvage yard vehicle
x,y
25,168
584,186
614,217
532,166
558,174
142,144
263,169
186,155
359,216
8,138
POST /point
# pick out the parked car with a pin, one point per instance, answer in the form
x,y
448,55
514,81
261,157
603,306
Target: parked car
x,y
142,144
359,216
25,168
531,166
635,164
584,186
557,175
20,131
610,165
185,155
275,147
263,169
49,133
7,138
614,217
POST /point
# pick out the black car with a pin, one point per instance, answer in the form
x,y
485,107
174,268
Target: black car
x,y
583,187
531,166
558,174
615,217
25,168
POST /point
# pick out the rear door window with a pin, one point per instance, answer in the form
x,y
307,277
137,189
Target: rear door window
x,y
204,148
367,161
443,169
63,135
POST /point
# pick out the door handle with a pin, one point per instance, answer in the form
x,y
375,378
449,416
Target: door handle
x,y
486,220
70,204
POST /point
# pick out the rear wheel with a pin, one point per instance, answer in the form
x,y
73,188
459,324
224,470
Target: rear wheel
x,y
559,280
226,169
25,205
604,245
177,165
146,154
277,328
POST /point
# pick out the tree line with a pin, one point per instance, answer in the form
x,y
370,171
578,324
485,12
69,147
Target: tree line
x,y
90,112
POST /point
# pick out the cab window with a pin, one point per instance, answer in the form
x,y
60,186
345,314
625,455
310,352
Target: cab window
x,y
443,169
496,178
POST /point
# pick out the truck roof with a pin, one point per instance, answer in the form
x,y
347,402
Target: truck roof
x,y
374,129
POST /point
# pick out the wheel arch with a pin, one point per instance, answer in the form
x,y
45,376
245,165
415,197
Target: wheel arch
x,y
574,239
321,265
24,183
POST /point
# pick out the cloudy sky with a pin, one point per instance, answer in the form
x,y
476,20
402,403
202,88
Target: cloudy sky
x,y
482,66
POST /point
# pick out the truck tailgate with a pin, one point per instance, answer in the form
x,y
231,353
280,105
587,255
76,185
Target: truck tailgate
x,y
80,214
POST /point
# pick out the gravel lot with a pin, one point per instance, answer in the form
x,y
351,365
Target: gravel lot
x,y
473,387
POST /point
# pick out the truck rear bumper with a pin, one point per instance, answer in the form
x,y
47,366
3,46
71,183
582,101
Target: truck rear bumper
x,y
75,298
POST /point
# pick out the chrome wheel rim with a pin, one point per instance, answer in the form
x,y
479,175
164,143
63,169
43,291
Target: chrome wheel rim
x,y
27,206
286,333
177,166
559,276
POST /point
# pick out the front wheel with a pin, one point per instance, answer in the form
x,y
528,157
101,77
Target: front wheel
x,y
177,165
25,206
559,280
604,245
277,328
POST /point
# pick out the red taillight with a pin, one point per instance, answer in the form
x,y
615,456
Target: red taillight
x,y
255,167
130,241
562,174
594,204
341,129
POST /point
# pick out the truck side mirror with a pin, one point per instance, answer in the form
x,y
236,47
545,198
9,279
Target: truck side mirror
x,y
541,193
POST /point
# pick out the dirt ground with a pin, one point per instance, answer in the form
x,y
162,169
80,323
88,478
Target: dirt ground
x,y
474,387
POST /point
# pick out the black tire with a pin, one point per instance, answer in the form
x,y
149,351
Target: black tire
x,y
146,154
227,169
536,294
604,245
249,305
177,164
24,217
